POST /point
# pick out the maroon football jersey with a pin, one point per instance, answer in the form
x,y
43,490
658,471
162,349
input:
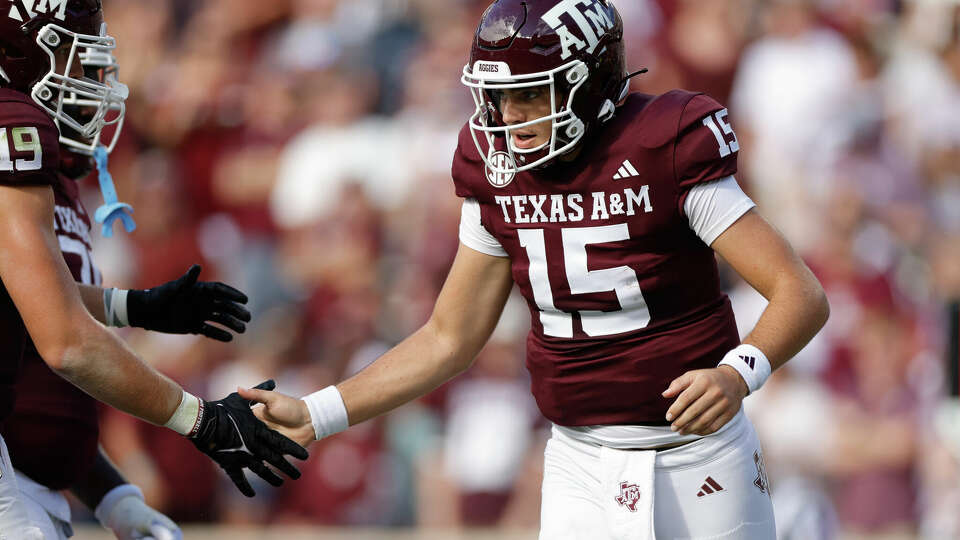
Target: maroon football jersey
x,y
50,414
29,155
624,296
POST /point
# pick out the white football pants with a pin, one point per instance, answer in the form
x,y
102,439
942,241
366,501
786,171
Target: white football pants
x,y
15,522
48,510
713,488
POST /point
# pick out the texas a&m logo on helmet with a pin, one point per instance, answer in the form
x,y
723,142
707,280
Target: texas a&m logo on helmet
x,y
23,10
591,17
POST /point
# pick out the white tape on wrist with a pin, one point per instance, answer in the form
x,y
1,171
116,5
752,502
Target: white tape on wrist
x,y
750,363
327,412
186,419
115,307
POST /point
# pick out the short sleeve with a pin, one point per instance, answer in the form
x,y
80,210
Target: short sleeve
x,y
473,234
713,207
29,145
707,146
468,172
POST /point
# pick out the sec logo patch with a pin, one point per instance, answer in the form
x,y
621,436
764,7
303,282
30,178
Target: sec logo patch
x,y
501,161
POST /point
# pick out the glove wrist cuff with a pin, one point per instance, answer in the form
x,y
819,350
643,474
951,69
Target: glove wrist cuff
x,y
115,305
110,500
188,416
750,363
137,307
327,412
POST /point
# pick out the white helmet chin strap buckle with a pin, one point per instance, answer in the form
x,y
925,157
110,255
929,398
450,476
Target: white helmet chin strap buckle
x,y
607,110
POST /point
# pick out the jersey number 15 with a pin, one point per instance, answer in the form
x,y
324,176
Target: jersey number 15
x,y
622,280
25,139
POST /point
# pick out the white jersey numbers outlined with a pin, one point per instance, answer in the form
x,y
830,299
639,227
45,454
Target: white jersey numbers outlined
x,y
622,280
721,119
24,139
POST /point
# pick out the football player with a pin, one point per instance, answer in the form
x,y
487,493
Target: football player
x,y
606,209
44,94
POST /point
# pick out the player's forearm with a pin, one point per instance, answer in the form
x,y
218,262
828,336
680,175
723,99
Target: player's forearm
x,y
102,365
797,310
417,365
92,297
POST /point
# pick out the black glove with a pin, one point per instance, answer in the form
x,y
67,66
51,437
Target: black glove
x,y
184,305
236,439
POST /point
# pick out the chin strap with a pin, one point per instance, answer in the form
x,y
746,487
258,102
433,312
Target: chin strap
x,y
626,82
112,209
609,107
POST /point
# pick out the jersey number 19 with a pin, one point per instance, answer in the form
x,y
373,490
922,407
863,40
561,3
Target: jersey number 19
x,y
25,139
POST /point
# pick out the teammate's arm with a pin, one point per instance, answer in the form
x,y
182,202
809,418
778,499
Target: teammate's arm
x,y
181,306
119,505
708,398
87,354
465,314
67,337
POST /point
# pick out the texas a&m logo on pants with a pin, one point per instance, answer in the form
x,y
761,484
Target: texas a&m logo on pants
x,y
629,496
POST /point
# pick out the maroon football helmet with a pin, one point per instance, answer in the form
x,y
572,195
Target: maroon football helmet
x,y
575,47
33,35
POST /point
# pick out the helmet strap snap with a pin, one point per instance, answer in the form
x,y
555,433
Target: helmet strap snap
x,y
606,110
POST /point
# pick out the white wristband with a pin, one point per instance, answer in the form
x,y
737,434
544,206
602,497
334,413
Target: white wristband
x,y
750,363
186,419
115,307
327,412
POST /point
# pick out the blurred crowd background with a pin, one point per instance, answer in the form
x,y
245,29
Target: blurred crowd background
x,y
300,150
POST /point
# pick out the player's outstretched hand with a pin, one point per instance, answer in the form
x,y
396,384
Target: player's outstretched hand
x,y
284,413
233,437
706,399
188,306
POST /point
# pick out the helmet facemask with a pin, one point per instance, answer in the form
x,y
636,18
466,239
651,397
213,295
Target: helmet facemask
x,y
81,108
566,128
